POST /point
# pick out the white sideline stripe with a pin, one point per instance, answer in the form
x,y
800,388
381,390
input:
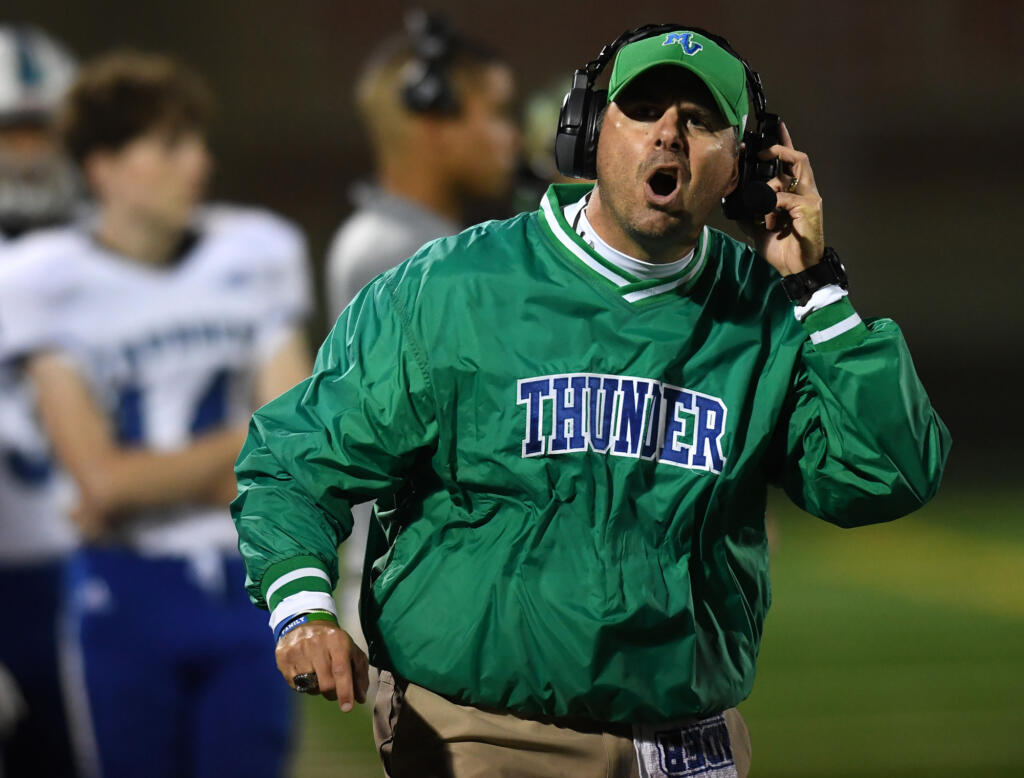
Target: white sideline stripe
x,y
566,241
300,603
71,668
835,330
643,294
294,575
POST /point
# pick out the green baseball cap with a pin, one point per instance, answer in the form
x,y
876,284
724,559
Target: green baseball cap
x,y
721,71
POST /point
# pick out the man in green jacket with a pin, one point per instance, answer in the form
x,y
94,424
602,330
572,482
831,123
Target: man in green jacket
x,y
569,420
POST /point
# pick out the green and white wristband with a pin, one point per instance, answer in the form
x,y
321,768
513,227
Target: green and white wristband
x,y
297,586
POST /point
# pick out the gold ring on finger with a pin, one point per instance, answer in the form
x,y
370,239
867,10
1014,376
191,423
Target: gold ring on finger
x,y
307,683
793,185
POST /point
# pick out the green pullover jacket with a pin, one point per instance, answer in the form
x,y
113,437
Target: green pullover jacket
x,y
571,466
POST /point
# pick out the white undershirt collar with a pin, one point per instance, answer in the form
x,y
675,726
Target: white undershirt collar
x,y
576,215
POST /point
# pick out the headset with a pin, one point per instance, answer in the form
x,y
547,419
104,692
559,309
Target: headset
x,y
426,88
579,126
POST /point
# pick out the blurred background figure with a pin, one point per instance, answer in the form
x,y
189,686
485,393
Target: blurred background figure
x,y
37,188
37,182
537,169
149,333
439,111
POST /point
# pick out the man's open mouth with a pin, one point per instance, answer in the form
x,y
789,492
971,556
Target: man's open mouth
x,y
662,184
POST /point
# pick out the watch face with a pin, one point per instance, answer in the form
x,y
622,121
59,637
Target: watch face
x,y
796,289
800,286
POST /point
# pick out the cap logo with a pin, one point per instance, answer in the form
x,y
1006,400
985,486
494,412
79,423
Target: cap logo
x,y
684,39
27,68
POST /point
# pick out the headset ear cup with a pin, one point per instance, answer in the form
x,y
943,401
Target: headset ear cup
x,y
571,128
412,82
425,84
426,90
759,198
752,197
592,131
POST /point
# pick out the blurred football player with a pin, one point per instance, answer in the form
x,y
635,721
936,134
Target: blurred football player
x,y
150,333
438,110
37,188
37,181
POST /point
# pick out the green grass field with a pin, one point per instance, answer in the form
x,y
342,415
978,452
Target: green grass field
x,y
895,650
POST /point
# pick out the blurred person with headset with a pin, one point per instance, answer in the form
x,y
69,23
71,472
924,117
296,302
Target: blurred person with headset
x,y
149,333
438,109
38,188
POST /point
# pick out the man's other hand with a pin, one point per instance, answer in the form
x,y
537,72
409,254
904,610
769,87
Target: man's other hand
x,y
320,647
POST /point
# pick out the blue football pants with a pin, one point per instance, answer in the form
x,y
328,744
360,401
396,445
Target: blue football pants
x,y
178,667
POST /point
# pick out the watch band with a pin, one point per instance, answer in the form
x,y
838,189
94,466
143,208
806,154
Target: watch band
x,y
800,286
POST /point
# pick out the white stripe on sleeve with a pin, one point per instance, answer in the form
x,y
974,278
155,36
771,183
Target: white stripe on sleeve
x,y
294,575
835,330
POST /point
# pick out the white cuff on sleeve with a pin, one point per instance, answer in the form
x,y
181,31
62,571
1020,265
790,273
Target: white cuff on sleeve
x,y
827,295
302,602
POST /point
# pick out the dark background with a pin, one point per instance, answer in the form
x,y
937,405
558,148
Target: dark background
x,y
910,113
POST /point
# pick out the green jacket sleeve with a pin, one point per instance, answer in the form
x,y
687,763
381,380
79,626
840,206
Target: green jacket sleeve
x,y
860,441
347,434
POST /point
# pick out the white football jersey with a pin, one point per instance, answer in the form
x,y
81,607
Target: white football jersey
x,y
34,494
170,352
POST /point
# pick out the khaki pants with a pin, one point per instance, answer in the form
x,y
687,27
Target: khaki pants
x,y
420,734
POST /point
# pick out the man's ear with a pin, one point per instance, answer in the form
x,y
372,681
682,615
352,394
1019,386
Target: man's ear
x,y
735,178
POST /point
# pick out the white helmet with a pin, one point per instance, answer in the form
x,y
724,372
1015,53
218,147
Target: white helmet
x,y
35,72
37,186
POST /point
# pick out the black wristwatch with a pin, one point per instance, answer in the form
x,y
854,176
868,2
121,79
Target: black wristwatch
x,y
800,286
